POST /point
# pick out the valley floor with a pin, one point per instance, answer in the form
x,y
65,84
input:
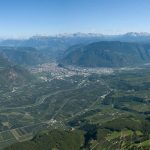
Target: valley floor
x,y
108,108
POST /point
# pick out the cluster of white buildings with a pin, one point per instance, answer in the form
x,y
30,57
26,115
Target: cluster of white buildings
x,y
55,72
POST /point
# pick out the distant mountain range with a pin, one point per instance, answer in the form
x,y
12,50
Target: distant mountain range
x,y
22,55
107,54
42,49
65,40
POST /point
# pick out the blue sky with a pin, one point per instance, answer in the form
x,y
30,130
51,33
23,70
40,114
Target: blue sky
x,y
19,18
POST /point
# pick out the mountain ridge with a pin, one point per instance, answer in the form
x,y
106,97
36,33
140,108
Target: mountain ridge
x,y
107,54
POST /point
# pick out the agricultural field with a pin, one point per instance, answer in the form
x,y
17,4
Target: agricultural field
x,y
112,110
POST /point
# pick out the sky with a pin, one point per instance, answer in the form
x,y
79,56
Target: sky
x,y
24,18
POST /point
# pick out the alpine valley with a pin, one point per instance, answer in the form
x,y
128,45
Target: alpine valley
x,y
75,92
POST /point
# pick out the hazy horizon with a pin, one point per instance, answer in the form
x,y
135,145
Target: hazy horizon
x,y
23,37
